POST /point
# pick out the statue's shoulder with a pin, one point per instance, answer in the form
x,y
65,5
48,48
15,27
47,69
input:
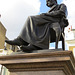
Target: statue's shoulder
x,y
62,5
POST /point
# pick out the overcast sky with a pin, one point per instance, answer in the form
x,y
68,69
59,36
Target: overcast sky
x,y
15,12
71,12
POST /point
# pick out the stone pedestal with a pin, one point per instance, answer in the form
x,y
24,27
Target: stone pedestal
x,y
44,63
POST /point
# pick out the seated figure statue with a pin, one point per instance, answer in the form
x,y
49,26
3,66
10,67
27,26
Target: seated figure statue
x,y
35,34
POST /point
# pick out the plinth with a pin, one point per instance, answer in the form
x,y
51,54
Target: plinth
x,y
44,63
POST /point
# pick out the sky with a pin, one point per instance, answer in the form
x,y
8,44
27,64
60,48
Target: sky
x,y
15,12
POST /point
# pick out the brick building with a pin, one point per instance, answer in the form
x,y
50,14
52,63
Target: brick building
x,y
2,35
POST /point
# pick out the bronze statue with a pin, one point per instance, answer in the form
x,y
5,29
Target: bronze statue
x,y
36,33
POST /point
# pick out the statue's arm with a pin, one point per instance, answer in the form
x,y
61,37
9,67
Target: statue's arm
x,y
59,13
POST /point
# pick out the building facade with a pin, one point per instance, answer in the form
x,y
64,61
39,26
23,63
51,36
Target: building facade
x,y
71,41
2,35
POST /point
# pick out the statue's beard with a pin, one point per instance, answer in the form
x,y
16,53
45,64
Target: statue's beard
x,y
50,4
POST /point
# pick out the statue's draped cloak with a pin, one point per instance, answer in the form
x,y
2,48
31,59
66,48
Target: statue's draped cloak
x,y
36,29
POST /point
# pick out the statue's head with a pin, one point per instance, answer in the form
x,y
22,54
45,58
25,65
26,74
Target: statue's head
x,y
50,3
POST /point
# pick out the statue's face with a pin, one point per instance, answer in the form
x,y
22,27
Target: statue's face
x,y
50,3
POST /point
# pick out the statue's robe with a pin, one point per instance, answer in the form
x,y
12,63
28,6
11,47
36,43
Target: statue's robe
x,y
36,29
